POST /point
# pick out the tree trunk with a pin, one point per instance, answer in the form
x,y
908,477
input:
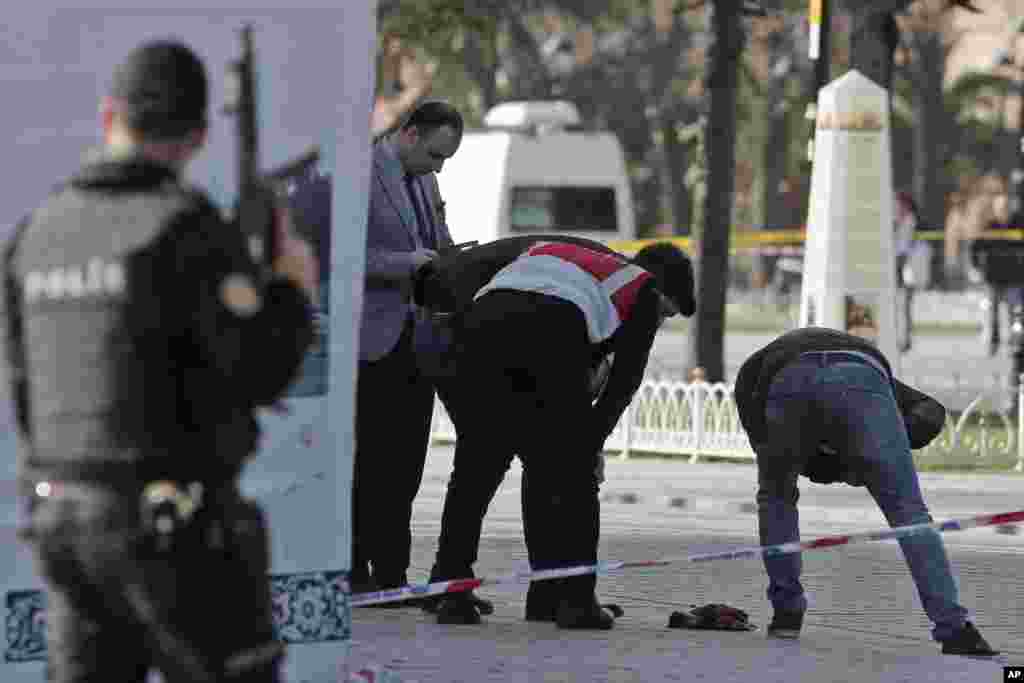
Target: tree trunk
x,y
675,162
873,40
481,64
869,46
708,328
929,147
773,214
534,81
647,196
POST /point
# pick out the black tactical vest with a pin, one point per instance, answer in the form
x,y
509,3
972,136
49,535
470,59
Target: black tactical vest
x,y
101,390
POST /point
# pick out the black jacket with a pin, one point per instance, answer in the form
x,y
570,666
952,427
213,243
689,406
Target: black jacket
x,y
923,415
1000,260
451,281
142,345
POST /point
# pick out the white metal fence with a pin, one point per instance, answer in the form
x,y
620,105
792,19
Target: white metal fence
x,y
698,419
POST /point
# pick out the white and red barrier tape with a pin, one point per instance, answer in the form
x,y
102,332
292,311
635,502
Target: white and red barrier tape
x,y
459,585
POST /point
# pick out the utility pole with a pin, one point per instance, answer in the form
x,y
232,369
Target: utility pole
x,y
819,49
1017,176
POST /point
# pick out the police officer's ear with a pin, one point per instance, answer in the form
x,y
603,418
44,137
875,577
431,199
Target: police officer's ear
x,y
110,116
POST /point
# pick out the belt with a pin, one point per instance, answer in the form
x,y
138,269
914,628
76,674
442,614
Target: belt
x,y
124,476
824,358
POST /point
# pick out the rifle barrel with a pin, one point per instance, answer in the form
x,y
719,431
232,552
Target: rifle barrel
x,y
295,166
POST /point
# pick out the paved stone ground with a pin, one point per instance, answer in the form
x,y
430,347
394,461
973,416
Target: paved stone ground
x,y
865,623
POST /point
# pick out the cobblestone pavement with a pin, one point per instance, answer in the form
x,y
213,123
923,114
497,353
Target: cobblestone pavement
x,y
865,623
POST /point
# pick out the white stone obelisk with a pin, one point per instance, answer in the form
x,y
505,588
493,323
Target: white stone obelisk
x,y
849,267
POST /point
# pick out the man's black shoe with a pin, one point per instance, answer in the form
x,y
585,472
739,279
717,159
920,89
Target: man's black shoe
x,y
431,602
548,612
786,624
543,598
457,608
591,617
968,642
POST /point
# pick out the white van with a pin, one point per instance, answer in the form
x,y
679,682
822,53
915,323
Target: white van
x,y
530,170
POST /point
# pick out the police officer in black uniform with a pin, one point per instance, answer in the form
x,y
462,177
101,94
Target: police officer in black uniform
x,y
141,338
1000,261
523,384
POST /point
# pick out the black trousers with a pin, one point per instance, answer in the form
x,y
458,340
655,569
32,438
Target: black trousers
x,y
394,403
523,390
118,608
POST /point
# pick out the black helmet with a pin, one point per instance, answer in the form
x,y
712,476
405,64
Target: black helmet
x,y
672,272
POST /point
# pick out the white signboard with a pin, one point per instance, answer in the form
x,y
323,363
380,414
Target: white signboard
x,y
315,81
849,264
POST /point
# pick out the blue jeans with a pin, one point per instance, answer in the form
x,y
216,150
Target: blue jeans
x,y
849,406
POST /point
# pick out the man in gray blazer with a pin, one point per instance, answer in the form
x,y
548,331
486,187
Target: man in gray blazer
x,y
395,397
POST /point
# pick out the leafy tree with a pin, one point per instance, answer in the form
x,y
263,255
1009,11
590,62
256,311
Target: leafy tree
x,y
455,41
938,137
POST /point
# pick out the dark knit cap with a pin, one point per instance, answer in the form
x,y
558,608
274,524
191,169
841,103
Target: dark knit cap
x,y
164,89
672,272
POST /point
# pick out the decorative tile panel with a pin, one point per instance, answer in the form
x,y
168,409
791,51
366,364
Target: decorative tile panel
x,y
308,607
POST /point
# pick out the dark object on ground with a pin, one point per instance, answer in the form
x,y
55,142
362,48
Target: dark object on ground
x,y
712,617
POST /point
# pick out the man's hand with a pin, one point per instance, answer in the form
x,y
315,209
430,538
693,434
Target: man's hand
x,y
415,77
295,259
414,74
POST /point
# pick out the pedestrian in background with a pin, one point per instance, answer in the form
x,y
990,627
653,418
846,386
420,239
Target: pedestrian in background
x,y
913,262
1000,264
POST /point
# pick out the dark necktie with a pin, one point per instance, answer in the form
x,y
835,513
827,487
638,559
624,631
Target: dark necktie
x,y
422,223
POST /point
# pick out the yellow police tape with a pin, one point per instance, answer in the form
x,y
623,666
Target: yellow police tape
x,y
752,239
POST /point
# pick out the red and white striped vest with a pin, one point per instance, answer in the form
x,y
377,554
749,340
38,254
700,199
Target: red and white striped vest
x,y
603,286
